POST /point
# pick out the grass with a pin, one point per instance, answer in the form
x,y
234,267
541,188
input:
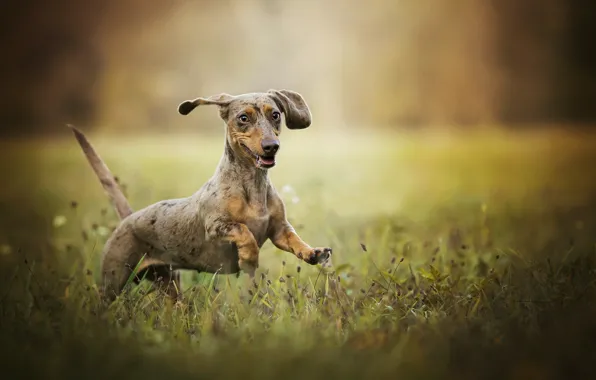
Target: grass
x,y
455,256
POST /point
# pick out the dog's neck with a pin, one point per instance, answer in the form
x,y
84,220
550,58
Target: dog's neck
x,y
239,170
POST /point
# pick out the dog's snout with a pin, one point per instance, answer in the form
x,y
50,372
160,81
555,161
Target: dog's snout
x,y
270,146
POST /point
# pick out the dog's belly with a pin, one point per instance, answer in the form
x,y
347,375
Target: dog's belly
x,y
210,257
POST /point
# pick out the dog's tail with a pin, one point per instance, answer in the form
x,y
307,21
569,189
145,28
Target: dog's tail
x,y
108,181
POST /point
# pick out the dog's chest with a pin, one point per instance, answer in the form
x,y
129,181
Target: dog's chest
x,y
257,221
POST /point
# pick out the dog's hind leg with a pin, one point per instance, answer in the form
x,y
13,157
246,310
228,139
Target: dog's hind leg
x,y
122,253
164,279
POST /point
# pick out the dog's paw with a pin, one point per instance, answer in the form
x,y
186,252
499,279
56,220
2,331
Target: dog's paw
x,y
318,256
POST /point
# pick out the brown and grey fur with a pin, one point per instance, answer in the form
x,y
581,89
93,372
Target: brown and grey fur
x,y
221,227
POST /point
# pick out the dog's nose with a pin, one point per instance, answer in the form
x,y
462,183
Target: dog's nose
x,y
270,146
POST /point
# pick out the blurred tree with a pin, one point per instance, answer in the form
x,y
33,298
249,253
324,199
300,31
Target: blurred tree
x,y
127,64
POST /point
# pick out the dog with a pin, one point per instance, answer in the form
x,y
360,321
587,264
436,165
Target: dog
x,y
222,226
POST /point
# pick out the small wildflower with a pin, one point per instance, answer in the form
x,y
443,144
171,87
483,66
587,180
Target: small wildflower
x,y
363,247
103,231
281,279
393,260
298,269
59,221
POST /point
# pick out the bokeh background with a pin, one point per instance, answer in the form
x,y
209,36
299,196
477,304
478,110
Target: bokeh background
x,y
125,65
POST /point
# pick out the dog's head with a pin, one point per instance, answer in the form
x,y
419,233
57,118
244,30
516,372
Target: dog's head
x,y
254,121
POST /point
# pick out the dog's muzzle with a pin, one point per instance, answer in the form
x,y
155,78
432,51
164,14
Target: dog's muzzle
x,y
262,161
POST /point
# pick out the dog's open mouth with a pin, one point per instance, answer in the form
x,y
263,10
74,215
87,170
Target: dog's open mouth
x,y
265,162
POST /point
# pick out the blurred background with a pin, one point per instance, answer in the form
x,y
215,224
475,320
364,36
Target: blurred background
x,y
376,74
126,64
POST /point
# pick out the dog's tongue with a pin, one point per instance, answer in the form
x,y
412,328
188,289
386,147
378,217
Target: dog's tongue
x,y
267,160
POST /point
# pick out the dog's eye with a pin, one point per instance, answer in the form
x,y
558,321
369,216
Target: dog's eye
x,y
243,118
275,115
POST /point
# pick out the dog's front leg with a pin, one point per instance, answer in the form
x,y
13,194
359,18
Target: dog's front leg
x,y
284,237
240,235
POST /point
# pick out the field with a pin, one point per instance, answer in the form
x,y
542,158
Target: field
x,y
456,255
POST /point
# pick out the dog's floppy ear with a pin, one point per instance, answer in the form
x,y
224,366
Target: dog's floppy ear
x,y
188,105
294,107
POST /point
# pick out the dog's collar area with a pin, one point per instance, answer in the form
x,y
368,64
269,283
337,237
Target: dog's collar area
x,y
264,162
